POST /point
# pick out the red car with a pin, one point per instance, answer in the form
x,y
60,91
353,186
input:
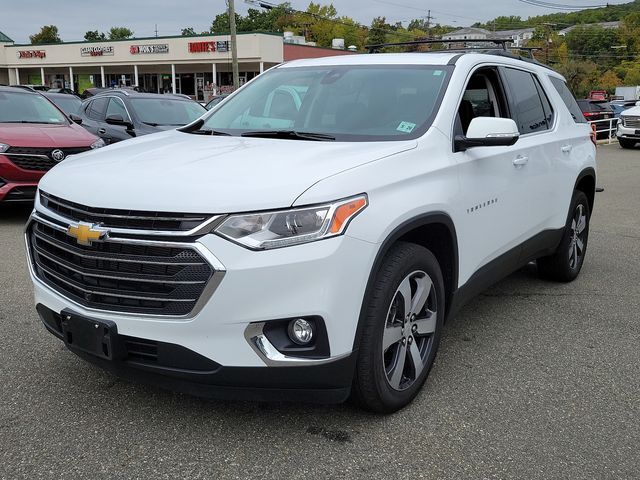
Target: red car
x,y
34,136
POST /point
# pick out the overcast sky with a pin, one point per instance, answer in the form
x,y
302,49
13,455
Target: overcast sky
x,y
21,18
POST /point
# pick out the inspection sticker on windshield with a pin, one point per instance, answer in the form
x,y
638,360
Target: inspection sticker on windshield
x,y
406,127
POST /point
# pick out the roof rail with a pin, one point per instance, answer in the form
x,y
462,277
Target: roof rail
x,y
503,51
498,41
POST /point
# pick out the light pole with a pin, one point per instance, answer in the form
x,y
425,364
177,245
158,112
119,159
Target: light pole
x,y
234,46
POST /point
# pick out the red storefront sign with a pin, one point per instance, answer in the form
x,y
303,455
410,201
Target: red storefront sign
x,y
208,47
32,54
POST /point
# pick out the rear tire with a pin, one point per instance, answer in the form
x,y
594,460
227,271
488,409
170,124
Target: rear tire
x,y
624,143
565,264
401,331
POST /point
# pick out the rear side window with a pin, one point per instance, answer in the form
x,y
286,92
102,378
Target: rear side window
x,y
97,108
568,99
529,111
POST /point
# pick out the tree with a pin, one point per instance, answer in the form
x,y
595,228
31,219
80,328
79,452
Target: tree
x,y
120,33
188,31
94,36
47,34
378,31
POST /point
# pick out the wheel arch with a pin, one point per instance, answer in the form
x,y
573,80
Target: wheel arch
x,y
586,182
435,231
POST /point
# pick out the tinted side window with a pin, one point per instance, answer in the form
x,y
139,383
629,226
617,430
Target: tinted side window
x,y
116,107
529,113
568,99
546,104
97,109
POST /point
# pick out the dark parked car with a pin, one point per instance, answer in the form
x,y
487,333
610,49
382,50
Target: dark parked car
x,y
598,110
619,106
117,115
69,104
68,91
215,101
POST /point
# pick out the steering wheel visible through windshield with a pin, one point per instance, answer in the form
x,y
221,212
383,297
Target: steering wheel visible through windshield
x,y
346,103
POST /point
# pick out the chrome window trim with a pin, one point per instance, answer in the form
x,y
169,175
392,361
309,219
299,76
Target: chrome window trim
x,y
212,285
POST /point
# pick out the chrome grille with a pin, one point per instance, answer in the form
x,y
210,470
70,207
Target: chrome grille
x,y
631,122
40,159
115,218
122,275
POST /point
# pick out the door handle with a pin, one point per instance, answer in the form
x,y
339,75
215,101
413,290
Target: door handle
x,y
520,161
566,148
101,131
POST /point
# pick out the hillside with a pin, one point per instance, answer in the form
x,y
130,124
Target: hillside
x,y
562,20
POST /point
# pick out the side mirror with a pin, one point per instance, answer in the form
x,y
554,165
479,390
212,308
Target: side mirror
x,y
75,119
637,104
118,120
488,132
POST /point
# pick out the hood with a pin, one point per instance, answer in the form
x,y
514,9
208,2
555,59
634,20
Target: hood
x,y
180,172
44,135
633,111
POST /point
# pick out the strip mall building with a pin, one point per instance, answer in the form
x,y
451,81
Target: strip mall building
x,y
189,65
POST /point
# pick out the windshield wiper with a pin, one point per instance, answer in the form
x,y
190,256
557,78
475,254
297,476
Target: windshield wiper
x,y
289,134
206,131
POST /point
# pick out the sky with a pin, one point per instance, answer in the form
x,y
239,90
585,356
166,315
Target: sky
x,y
19,19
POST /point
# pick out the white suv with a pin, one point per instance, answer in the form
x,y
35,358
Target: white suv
x,y
308,238
628,131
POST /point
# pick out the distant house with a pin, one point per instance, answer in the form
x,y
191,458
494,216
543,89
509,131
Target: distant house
x,y
519,37
467,33
610,25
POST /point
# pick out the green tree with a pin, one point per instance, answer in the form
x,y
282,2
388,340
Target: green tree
x,y
188,31
47,34
94,36
120,33
378,31
221,23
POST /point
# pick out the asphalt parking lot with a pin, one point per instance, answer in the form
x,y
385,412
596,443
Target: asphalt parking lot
x,y
533,380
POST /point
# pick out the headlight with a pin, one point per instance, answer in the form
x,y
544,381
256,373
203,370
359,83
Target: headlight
x,y
98,144
261,231
3,147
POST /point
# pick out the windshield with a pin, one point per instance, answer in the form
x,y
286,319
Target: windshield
x,y
345,103
17,107
166,111
68,104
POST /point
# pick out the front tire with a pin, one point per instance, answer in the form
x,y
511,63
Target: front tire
x,y
624,143
401,330
565,264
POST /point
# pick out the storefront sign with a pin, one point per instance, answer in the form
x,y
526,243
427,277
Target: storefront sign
x,y
96,51
155,48
207,47
31,54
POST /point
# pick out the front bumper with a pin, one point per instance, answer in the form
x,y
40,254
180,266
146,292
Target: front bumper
x,y
628,133
17,184
326,279
177,368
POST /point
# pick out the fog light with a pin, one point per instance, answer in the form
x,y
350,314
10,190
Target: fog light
x,y
301,331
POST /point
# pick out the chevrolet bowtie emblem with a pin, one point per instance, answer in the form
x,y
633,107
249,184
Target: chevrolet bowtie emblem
x,y
86,233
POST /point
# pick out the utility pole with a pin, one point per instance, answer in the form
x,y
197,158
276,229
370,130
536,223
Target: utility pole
x,y
156,30
429,18
234,46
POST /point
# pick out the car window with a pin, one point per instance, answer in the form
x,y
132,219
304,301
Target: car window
x,y
546,104
529,112
28,108
166,111
97,108
349,103
483,97
568,99
68,103
116,107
